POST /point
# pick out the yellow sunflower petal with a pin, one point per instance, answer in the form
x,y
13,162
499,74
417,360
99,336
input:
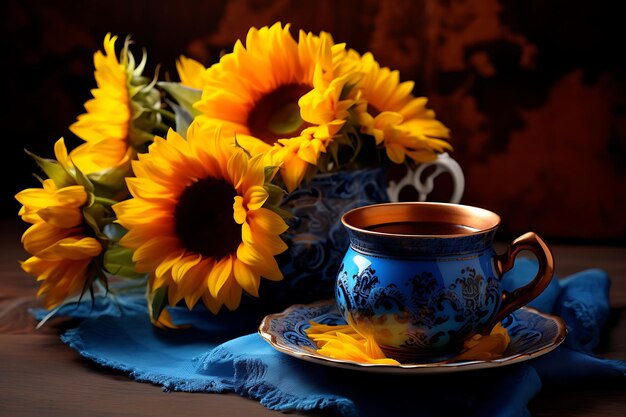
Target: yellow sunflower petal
x,y
60,152
73,248
43,235
148,190
174,293
134,212
220,275
237,168
164,321
271,242
267,221
260,260
64,217
158,248
40,268
230,294
211,303
293,172
251,144
343,342
246,278
249,254
388,118
421,155
485,347
92,157
190,72
195,284
165,266
182,267
60,278
71,196
396,153
247,236
256,172
255,197
79,248
239,211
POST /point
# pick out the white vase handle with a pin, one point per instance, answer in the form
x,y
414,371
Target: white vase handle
x,y
413,178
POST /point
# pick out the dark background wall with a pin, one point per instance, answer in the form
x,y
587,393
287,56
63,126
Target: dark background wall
x,y
533,91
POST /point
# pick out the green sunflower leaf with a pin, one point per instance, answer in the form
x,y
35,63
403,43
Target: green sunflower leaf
x,y
110,182
53,170
97,216
185,96
118,261
275,194
158,302
144,122
346,90
82,179
282,213
270,172
182,118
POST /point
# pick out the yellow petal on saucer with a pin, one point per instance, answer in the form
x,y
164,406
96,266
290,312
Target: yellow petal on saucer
x,y
343,342
487,347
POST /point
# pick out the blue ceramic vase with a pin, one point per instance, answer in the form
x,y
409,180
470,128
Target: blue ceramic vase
x,y
316,239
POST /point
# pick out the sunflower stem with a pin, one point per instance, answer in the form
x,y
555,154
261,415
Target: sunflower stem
x,y
167,114
105,201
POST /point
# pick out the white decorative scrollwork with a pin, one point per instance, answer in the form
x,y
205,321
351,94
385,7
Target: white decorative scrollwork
x,y
413,178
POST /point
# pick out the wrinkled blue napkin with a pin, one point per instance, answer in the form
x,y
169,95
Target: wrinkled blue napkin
x,y
225,354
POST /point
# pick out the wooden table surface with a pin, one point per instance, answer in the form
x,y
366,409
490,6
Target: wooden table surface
x,y
40,376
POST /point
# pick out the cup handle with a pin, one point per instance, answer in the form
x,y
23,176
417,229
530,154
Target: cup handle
x,y
424,186
511,301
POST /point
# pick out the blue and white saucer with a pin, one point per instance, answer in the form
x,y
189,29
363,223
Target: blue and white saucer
x,y
532,334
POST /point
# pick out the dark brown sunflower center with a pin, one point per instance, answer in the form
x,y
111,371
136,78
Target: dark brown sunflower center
x,y
277,115
203,219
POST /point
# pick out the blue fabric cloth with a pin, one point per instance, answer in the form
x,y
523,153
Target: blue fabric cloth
x,y
225,354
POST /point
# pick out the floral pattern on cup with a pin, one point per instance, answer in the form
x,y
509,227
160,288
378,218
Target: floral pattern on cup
x,y
425,304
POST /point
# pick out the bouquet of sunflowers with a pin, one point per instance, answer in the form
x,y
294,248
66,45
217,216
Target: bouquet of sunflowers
x,y
178,185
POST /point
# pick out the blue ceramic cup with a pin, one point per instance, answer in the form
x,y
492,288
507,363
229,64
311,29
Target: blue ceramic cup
x,y
421,278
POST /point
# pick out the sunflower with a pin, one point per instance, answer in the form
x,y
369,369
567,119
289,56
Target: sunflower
x,y
198,220
279,92
59,240
121,115
396,118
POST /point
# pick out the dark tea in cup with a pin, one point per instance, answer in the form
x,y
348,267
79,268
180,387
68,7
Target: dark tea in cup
x,y
422,228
